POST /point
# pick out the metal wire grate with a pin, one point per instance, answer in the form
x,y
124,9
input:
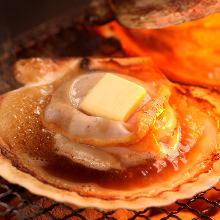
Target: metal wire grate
x,y
18,203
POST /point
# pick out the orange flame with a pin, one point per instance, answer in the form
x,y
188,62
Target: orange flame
x,y
188,53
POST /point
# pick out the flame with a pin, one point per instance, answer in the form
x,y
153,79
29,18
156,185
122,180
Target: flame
x,y
188,53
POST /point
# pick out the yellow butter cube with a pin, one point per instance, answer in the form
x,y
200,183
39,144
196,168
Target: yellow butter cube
x,y
113,97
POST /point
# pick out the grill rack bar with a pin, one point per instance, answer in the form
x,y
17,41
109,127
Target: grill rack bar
x,y
15,200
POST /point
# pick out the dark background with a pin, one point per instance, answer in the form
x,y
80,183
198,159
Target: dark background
x,y
17,16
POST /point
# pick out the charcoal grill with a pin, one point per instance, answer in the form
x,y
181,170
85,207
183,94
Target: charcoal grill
x,y
61,38
18,203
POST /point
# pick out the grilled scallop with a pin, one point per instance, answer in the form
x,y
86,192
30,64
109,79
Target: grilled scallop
x,y
148,14
167,149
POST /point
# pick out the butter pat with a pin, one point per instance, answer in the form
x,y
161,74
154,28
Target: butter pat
x,y
113,97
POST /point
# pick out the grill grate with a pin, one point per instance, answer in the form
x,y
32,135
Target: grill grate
x,y
18,203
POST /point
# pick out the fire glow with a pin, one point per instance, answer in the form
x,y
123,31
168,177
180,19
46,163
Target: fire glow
x,y
187,53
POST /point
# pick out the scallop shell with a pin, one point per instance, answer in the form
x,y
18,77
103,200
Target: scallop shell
x,y
26,145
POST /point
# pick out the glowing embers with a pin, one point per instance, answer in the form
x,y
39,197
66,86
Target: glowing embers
x,y
186,53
